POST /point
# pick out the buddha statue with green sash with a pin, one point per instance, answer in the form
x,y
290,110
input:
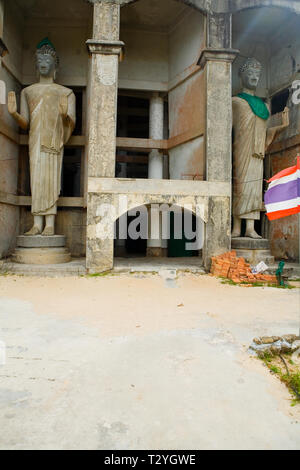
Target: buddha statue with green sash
x,y
252,137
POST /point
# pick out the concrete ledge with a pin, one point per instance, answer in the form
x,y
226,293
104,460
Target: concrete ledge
x,y
13,200
256,256
159,187
244,243
76,267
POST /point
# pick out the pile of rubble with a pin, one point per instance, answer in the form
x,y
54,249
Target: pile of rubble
x,y
275,345
231,267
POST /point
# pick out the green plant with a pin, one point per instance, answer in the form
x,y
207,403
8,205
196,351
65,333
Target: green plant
x,y
266,356
274,369
289,378
106,273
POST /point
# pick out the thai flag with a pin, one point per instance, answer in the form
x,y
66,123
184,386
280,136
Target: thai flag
x,y
283,195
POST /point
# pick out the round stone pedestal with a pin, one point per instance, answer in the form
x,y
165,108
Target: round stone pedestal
x,y
253,250
41,250
39,241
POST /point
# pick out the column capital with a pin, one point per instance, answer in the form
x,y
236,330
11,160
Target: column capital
x,y
98,46
217,55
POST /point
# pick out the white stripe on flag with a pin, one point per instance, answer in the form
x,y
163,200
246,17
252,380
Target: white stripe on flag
x,y
283,205
285,179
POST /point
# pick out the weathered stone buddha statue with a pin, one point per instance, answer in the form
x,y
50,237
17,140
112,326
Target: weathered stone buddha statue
x,y
252,137
48,110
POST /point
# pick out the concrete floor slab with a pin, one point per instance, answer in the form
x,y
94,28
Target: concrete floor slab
x,y
125,362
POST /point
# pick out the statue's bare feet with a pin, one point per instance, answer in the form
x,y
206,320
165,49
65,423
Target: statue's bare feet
x,y
48,232
235,234
252,234
33,232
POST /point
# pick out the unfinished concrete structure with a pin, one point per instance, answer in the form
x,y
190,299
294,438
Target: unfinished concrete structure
x,y
153,81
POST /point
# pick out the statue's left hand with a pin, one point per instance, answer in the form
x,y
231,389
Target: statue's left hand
x,y
63,106
286,117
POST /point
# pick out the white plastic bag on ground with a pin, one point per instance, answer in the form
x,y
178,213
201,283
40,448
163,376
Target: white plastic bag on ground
x,y
260,268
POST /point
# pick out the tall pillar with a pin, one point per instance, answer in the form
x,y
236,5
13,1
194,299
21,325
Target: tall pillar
x,y
105,49
155,171
217,60
156,131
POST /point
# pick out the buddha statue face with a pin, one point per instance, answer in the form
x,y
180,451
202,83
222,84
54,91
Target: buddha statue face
x,y
46,59
250,74
45,65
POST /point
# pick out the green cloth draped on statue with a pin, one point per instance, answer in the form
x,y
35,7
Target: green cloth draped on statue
x,y
257,105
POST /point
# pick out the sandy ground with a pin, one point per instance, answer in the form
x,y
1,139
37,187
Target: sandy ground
x,y
133,362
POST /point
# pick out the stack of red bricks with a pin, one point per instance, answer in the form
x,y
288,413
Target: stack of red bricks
x,y
231,267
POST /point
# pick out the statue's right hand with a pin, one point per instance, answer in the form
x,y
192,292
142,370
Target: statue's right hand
x,y
12,103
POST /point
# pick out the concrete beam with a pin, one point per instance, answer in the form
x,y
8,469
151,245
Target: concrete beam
x,y
159,187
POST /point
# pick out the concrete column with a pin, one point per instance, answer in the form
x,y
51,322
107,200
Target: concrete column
x,y
155,171
217,60
156,131
105,49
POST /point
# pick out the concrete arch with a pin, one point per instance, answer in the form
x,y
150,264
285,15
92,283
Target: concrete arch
x,y
185,225
200,5
183,202
232,6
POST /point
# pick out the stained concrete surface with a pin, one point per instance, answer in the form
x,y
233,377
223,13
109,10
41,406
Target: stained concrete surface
x,y
142,362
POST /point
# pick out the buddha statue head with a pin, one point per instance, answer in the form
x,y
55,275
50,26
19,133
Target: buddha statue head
x,y
250,73
46,59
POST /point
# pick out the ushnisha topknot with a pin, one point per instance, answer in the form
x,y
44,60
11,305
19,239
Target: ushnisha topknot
x,y
46,47
250,63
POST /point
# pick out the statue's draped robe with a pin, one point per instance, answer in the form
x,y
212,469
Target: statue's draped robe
x,y
251,138
47,136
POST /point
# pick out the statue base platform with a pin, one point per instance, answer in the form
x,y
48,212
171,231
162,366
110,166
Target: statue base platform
x,y
253,250
41,250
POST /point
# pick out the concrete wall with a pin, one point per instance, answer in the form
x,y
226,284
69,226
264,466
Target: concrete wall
x,y
13,35
186,41
284,68
187,112
69,38
187,96
9,150
145,65
251,42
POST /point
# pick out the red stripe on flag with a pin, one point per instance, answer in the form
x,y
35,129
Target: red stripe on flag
x,y
286,172
283,213
283,173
